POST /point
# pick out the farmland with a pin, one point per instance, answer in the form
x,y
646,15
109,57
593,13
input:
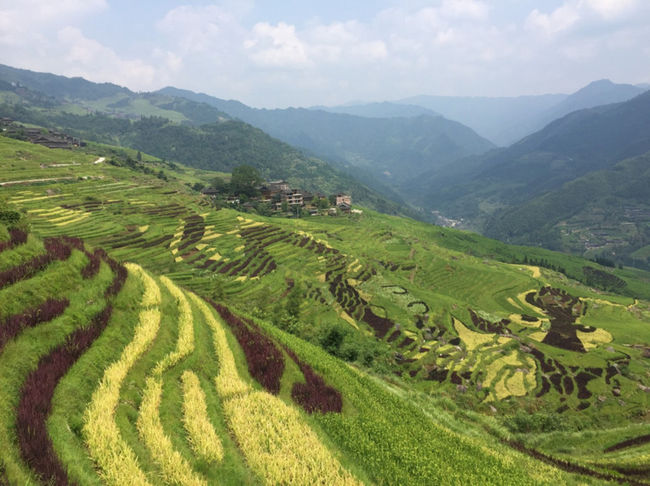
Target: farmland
x,y
148,338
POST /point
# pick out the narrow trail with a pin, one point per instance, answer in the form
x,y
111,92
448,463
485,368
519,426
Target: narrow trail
x,y
28,181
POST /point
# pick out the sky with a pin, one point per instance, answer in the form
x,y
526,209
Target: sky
x,y
270,53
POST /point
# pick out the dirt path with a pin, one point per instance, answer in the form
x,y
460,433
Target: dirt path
x,y
28,181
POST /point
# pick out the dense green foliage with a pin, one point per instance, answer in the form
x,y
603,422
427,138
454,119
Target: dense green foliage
x,y
219,146
415,395
389,149
609,208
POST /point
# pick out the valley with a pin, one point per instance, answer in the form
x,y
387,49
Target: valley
x,y
478,366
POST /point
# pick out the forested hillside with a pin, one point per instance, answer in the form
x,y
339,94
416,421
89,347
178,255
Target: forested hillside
x,y
219,145
478,360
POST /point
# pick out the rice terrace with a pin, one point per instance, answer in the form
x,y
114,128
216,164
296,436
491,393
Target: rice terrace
x,y
147,337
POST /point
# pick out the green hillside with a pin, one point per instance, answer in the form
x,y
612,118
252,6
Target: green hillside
x,y
566,173
604,213
219,146
391,351
390,149
79,96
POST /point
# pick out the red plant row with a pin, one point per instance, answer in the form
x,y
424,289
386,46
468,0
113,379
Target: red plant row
x,y
95,259
120,273
265,361
47,311
314,395
58,248
16,237
36,400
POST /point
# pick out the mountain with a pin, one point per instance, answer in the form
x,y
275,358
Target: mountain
x,y
389,149
383,109
502,120
60,86
496,193
604,213
79,96
352,349
506,120
177,129
597,93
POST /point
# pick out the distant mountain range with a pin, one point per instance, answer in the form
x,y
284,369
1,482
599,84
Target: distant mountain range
x,y
568,169
508,119
389,149
384,109
175,128
577,181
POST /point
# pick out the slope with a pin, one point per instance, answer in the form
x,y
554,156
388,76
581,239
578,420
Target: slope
x,y
581,142
459,360
604,213
217,146
391,149
505,120
141,381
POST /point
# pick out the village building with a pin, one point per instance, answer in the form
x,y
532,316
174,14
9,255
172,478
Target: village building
x,y
210,192
344,207
278,186
343,199
293,197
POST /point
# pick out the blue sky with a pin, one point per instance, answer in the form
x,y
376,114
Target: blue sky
x,y
305,52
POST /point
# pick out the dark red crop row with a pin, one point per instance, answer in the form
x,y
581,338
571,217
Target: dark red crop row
x,y
314,395
36,397
47,311
16,237
265,361
119,277
95,258
58,248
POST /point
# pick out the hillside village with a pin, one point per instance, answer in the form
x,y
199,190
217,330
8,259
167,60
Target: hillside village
x,y
278,198
47,137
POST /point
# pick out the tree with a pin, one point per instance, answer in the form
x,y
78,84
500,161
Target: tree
x,y
219,184
245,180
294,299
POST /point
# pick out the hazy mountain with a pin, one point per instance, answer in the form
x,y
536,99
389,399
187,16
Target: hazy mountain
x,y
487,190
597,93
174,128
389,149
500,120
605,212
77,95
506,120
383,109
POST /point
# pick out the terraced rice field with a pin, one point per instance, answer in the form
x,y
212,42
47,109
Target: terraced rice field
x,y
181,378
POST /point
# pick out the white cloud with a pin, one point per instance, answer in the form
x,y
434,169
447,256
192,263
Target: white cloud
x,y
234,49
29,21
561,19
611,9
276,46
41,35
89,59
471,9
201,29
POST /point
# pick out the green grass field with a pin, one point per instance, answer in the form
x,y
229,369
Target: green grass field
x,y
454,363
